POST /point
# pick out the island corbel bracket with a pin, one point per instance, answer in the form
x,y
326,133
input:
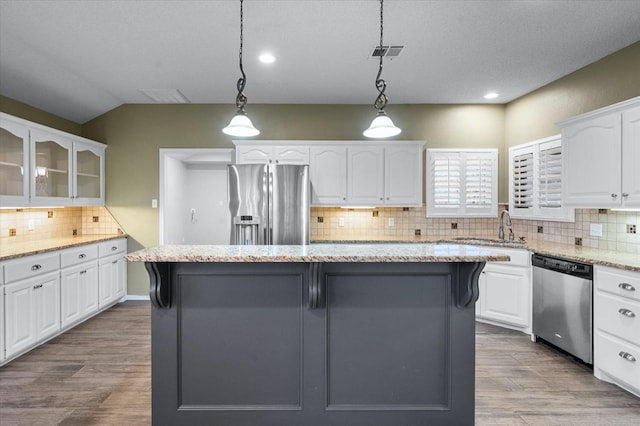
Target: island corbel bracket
x,y
467,290
159,290
316,285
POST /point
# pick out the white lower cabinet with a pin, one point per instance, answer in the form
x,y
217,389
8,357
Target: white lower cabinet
x,y
79,292
45,294
505,291
616,343
32,311
112,270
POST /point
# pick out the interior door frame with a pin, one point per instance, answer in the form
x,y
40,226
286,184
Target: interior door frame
x,y
189,156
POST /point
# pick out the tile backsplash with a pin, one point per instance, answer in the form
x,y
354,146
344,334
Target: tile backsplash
x,y
337,223
45,223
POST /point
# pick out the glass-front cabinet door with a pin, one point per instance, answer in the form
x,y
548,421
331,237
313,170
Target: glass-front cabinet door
x,y
88,173
14,158
51,181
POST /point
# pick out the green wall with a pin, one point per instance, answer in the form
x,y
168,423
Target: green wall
x,y
610,80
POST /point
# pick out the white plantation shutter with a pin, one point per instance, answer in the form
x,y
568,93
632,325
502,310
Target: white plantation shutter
x,y
461,183
550,177
478,182
522,181
446,178
535,181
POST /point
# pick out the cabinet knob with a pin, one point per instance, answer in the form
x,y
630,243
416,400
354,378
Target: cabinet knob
x,y
114,262
626,313
625,195
83,272
35,287
82,256
627,356
614,196
381,198
344,198
626,286
277,161
36,267
114,248
387,198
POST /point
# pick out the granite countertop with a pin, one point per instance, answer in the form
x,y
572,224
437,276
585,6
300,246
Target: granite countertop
x,y
28,248
319,253
612,258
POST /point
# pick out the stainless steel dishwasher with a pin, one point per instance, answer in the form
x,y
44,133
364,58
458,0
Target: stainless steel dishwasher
x,y
562,304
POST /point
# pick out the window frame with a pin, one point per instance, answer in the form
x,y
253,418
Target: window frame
x,y
537,211
462,209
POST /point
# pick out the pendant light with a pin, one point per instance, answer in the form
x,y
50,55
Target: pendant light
x,y
381,126
240,124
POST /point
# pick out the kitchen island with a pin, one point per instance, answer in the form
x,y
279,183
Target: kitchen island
x,y
346,334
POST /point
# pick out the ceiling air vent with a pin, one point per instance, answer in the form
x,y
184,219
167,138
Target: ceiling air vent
x,y
390,52
165,96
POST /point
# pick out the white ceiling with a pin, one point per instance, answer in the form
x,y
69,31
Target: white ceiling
x,y
79,59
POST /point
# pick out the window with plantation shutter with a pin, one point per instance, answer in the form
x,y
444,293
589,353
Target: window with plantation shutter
x,y
535,181
462,183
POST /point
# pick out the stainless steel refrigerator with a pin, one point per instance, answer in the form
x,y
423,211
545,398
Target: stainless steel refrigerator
x,y
269,204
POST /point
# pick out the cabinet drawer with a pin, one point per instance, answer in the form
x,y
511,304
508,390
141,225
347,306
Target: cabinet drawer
x,y
618,316
31,266
618,281
74,256
110,247
610,358
518,257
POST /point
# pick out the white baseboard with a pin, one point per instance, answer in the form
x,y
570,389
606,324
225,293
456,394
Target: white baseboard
x,y
136,297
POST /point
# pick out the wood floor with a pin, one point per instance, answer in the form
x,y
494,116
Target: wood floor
x,y
99,374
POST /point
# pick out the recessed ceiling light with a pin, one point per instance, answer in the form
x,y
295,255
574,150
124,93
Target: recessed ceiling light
x,y
267,58
491,95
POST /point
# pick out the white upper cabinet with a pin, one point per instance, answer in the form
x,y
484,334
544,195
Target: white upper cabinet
x,y
371,173
275,152
52,168
462,182
601,152
365,180
328,175
348,173
403,174
535,181
51,160
14,161
631,158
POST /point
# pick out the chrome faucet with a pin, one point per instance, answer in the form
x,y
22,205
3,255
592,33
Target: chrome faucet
x,y
501,227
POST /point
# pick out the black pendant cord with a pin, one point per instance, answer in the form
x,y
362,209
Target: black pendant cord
x,y
381,85
241,99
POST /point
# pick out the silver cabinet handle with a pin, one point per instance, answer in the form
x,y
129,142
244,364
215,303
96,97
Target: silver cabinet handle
x,y
614,196
381,198
626,286
83,272
627,356
36,267
626,313
114,262
35,287
625,195
82,256
114,248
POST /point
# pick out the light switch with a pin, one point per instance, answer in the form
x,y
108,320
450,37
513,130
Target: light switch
x,y
154,203
595,230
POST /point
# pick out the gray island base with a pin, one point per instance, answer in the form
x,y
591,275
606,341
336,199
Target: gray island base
x,y
285,342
